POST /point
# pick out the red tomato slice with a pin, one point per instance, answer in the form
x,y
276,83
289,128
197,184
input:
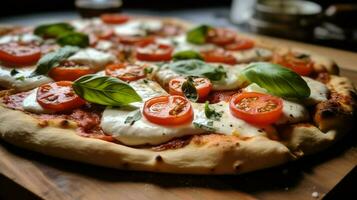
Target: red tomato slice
x,y
219,55
58,96
221,36
69,71
126,72
154,52
256,108
203,87
302,66
17,54
114,18
218,96
168,110
240,44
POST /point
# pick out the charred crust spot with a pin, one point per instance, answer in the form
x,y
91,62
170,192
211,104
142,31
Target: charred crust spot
x,y
158,158
237,144
236,166
328,113
126,165
64,123
43,123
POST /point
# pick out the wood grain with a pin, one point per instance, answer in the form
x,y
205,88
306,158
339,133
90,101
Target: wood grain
x,y
52,178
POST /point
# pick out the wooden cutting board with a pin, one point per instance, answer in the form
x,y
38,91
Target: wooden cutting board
x,y
30,175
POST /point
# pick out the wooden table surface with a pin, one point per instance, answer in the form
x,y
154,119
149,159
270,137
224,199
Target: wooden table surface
x,y
29,175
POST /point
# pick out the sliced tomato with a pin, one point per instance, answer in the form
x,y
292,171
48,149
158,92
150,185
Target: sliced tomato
x,y
303,65
217,96
154,52
203,87
69,71
256,108
168,110
219,55
240,44
221,36
58,96
18,54
126,72
135,40
114,18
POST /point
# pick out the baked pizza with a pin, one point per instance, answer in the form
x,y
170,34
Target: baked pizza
x,y
164,95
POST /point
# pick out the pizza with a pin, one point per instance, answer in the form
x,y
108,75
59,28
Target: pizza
x,y
165,95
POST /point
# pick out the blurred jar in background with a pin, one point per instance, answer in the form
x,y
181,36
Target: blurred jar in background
x,y
94,8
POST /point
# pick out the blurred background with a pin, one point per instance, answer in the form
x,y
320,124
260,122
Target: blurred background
x,y
330,23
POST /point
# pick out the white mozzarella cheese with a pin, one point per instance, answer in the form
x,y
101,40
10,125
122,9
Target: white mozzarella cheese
x,y
30,104
181,44
254,54
293,113
25,38
92,58
104,45
145,132
137,27
20,81
319,91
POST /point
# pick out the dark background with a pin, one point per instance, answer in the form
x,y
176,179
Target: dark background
x,y
14,7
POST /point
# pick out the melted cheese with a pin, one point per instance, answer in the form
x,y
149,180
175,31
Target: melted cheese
x,y
254,54
30,104
137,27
25,38
92,58
20,82
145,132
319,91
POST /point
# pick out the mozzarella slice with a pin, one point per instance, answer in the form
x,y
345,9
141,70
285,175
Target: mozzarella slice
x,y
25,38
30,104
254,54
137,27
319,91
92,58
20,81
104,45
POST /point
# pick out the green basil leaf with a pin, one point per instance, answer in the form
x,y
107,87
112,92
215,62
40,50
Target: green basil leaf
x,y
105,90
13,72
50,60
198,34
205,126
278,80
53,30
74,39
189,90
132,119
188,54
195,67
211,113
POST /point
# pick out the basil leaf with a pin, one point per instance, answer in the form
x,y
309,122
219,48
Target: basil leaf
x,y
198,34
194,67
132,119
278,80
189,90
185,55
205,126
53,30
50,60
211,113
148,70
105,90
74,39
13,72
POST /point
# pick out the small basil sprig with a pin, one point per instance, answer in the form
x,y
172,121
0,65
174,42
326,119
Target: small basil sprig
x,y
53,30
64,33
105,90
278,80
50,60
211,113
189,90
207,126
134,118
199,68
185,55
74,39
198,34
